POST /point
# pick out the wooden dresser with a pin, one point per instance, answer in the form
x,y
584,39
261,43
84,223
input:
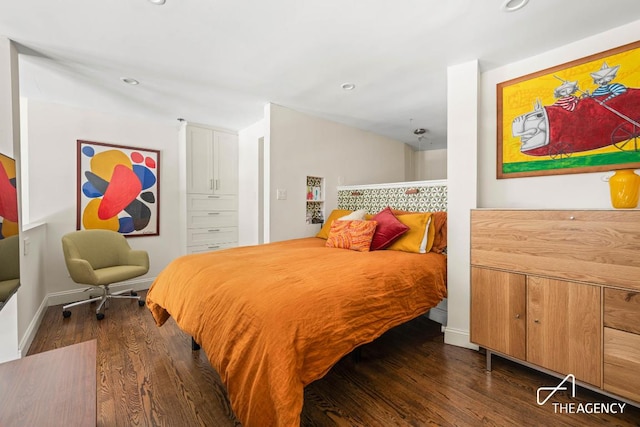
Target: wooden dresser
x,y
559,290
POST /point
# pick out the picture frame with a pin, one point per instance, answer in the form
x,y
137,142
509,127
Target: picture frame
x,y
578,117
9,215
118,188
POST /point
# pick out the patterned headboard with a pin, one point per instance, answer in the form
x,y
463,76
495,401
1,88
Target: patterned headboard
x,y
417,196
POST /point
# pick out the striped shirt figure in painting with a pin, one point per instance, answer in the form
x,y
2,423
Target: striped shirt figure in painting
x,y
565,94
603,78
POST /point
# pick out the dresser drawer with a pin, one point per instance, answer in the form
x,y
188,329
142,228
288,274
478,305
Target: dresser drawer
x,y
202,219
594,246
622,363
204,236
622,310
203,202
209,248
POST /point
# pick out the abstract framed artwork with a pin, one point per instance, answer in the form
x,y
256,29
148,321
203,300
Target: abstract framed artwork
x,y
118,188
8,198
577,117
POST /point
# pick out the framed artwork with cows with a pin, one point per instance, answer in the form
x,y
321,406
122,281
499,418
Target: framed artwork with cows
x,y
118,188
577,117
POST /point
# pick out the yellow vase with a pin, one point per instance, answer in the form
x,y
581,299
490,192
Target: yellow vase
x,y
624,186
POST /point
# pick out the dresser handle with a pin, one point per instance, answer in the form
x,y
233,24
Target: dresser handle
x,y
214,230
572,218
213,247
213,213
213,197
536,321
517,316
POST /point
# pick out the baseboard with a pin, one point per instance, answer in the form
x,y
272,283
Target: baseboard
x,y
65,297
458,337
438,314
32,329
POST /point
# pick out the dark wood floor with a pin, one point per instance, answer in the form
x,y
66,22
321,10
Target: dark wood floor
x,y
148,376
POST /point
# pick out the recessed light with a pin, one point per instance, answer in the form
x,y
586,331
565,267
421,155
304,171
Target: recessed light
x,y
348,86
130,81
513,5
158,2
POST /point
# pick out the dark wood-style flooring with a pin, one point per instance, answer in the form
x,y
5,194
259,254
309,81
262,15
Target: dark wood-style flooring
x,y
148,376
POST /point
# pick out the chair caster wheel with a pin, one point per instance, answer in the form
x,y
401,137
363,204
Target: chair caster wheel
x,y
66,314
141,303
134,294
100,316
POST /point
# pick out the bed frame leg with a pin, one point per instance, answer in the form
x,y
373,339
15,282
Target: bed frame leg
x,y
194,345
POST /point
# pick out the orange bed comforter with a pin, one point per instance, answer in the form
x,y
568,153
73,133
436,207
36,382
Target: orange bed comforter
x,y
275,317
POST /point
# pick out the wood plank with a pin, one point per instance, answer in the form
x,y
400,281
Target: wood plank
x,y
622,363
53,388
408,377
596,246
622,310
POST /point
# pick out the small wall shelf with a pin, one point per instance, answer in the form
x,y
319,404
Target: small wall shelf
x,y
315,200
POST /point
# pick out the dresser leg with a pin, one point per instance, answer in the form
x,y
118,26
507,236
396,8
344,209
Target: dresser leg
x,y
488,360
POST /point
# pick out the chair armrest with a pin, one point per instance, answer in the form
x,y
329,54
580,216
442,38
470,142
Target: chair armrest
x,y
141,258
81,271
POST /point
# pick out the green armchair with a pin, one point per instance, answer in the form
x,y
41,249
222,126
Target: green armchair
x,y
9,267
99,258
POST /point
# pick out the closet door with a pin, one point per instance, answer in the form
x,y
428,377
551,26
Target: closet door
x,y
225,154
564,328
199,160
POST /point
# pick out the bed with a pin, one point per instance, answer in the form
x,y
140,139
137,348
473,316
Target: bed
x,y
273,318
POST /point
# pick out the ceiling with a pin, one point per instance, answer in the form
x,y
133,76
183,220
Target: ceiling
x,y
218,62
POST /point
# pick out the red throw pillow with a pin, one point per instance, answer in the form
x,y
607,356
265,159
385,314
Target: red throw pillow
x,y
388,230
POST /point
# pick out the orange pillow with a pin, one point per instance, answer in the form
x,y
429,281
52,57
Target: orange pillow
x,y
437,229
354,235
412,240
440,224
335,214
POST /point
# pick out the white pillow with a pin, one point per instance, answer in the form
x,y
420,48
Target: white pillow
x,y
425,238
354,216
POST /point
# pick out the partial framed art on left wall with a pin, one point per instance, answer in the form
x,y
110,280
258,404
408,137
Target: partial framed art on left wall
x,y
8,198
118,188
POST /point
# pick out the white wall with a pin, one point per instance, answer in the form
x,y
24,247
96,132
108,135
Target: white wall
x,y
586,190
248,181
462,142
302,145
430,165
52,134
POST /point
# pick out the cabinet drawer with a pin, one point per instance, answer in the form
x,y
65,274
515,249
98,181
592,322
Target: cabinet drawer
x,y
595,246
622,310
203,219
622,363
209,248
204,236
202,202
